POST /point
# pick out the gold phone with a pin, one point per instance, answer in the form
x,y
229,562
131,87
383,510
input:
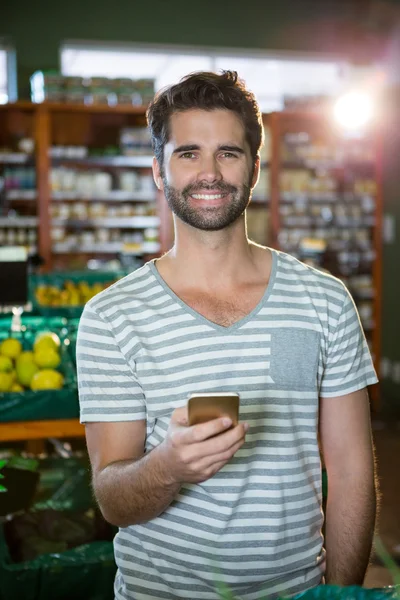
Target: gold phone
x,y
203,407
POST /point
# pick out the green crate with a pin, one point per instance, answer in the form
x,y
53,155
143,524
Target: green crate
x,y
44,404
83,573
57,279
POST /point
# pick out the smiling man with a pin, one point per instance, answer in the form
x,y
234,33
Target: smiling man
x,y
209,503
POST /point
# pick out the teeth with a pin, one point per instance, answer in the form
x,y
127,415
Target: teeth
x,y
207,196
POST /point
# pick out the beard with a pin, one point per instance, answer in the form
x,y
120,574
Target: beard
x,y
208,218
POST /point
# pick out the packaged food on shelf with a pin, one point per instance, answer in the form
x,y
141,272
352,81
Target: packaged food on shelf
x,y
19,178
129,181
135,141
102,236
97,210
57,234
47,85
150,235
52,86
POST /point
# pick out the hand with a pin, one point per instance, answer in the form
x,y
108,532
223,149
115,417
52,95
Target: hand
x,y
193,454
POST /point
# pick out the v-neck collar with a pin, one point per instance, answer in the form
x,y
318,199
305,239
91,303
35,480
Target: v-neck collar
x,y
204,320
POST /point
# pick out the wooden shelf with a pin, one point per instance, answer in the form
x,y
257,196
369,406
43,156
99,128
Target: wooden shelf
x,y
140,162
75,108
134,222
36,430
126,109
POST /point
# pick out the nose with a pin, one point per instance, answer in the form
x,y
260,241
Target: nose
x,y
209,170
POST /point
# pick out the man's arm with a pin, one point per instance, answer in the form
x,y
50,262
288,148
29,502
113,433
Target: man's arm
x,y
133,487
346,442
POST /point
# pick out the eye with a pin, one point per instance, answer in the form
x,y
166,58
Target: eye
x,y
229,155
187,155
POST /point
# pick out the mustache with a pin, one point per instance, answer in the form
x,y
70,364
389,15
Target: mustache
x,y
221,186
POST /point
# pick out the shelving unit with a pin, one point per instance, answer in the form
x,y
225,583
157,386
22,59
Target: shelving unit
x,y
326,192
94,211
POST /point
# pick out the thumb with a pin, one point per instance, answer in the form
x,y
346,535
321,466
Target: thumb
x,y
180,416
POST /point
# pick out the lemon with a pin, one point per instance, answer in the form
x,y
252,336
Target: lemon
x,y
48,379
6,364
25,372
47,358
5,382
16,387
11,347
26,357
47,339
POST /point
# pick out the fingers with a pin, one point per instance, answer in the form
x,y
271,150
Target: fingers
x,y
225,455
204,431
210,465
180,416
217,446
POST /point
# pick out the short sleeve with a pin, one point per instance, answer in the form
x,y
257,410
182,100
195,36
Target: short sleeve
x,y
108,387
348,364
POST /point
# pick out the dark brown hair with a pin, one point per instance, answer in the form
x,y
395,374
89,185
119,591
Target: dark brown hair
x,y
205,91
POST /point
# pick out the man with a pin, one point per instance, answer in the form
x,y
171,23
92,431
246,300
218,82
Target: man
x,y
198,505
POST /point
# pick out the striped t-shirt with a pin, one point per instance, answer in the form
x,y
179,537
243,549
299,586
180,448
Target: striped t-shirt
x,y
256,524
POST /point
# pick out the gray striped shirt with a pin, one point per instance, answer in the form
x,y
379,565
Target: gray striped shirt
x,y
255,525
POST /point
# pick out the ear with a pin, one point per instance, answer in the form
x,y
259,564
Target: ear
x,y
157,174
256,173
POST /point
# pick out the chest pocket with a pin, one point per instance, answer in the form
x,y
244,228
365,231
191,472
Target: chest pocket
x,y
294,359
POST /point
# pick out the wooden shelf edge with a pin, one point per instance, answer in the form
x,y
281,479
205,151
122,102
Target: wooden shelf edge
x,y
34,430
82,108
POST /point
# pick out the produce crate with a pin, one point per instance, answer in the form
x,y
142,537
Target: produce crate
x,y
83,573
57,280
44,404
65,484
73,325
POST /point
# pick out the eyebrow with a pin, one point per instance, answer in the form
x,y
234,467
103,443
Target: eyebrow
x,y
225,147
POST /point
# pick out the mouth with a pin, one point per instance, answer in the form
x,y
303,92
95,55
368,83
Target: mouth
x,y
209,199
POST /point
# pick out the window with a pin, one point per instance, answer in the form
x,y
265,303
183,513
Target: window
x,y
269,76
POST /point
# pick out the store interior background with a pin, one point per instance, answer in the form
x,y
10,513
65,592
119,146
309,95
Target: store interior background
x,y
363,32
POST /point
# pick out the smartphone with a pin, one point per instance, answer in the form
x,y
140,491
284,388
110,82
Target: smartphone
x,y
203,407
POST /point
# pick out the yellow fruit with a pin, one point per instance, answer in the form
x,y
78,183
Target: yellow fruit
x,y
6,364
74,298
25,372
16,387
47,339
47,358
5,382
11,347
47,380
26,357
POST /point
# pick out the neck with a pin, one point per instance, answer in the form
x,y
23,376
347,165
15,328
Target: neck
x,y
211,259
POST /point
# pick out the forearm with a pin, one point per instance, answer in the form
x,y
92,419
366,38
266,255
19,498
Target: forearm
x,y
135,491
349,529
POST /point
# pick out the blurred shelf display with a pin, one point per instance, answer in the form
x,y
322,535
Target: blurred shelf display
x,y
111,196
125,223
21,194
108,248
111,161
18,222
14,158
53,87
78,177
326,205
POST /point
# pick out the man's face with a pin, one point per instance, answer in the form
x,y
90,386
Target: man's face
x,y
208,172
